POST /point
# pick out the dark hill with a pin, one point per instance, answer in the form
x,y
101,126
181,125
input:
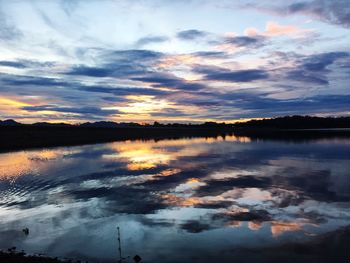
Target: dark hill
x,y
298,122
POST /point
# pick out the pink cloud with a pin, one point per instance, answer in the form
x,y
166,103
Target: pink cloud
x,y
273,29
251,31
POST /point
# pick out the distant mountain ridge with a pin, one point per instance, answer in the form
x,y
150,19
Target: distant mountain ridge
x,y
10,123
99,124
109,124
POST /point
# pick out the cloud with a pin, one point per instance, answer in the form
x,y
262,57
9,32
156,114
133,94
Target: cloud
x,y
251,32
8,31
313,68
254,215
78,110
123,69
69,6
150,40
106,70
170,112
247,75
131,55
253,105
118,63
319,62
161,80
210,54
191,34
193,226
217,187
97,72
246,41
123,91
17,80
23,63
332,11
335,12
41,85
275,29
12,64
305,76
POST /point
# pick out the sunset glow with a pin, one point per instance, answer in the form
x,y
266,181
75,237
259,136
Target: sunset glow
x,y
65,62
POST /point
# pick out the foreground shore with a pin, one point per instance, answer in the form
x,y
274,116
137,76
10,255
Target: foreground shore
x,y
20,257
332,247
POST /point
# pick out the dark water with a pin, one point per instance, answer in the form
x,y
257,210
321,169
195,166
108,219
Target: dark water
x,y
188,200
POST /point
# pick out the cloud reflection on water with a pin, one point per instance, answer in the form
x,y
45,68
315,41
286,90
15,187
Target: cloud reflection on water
x,y
272,190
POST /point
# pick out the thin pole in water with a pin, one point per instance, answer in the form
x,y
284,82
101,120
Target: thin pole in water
x,y
119,248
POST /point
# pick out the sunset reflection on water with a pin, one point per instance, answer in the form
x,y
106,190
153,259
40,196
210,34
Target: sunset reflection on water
x,y
220,193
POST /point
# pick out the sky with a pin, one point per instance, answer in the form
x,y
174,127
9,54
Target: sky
x,y
173,60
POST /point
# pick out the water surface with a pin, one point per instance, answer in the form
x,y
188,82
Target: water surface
x,y
185,200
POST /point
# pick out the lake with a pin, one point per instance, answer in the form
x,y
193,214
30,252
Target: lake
x,y
184,200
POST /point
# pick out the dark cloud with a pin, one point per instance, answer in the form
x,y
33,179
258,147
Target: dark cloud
x,y
28,84
245,41
132,55
313,69
209,69
92,71
320,62
12,64
191,34
210,54
332,11
118,69
305,76
79,110
123,91
247,75
315,184
119,64
216,73
160,80
193,226
253,215
25,64
254,104
264,106
151,39
17,80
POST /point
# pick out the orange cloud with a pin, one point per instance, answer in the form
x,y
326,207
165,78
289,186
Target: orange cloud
x,y
277,228
254,225
13,106
9,102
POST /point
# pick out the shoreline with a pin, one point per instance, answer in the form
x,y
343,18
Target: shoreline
x,y
331,246
31,137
